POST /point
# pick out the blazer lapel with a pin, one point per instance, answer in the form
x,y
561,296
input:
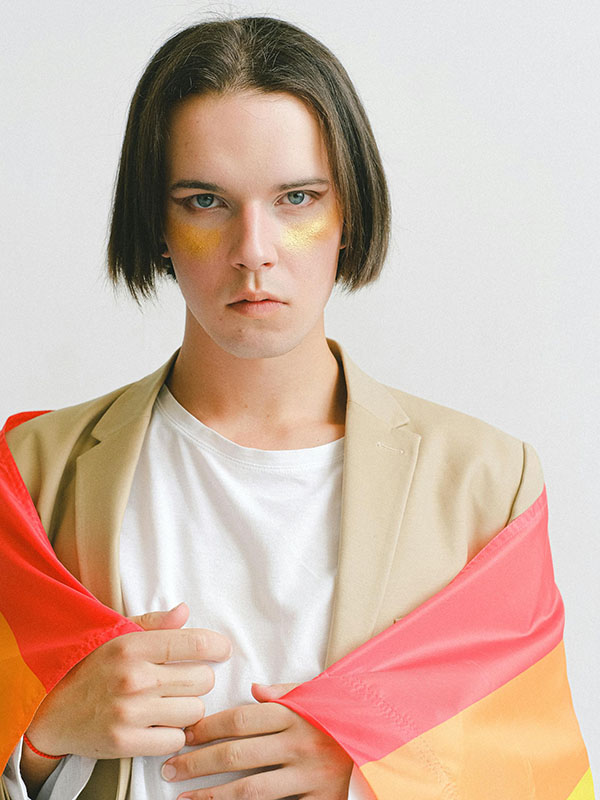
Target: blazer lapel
x,y
380,454
103,480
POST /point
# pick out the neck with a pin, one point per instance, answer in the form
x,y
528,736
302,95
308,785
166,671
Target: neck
x,y
290,401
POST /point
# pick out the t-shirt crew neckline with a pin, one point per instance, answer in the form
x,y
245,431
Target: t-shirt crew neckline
x,y
207,438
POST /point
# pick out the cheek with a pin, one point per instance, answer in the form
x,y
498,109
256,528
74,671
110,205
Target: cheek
x,y
187,240
306,235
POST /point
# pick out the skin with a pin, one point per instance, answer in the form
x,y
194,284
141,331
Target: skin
x,y
264,377
263,381
123,699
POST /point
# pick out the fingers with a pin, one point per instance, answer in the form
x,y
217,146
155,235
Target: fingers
x,y
182,680
155,741
175,712
240,754
249,720
163,646
150,681
265,694
273,785
168,712
159,620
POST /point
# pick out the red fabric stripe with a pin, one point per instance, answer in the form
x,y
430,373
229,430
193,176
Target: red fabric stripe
x,y
500,615
56,621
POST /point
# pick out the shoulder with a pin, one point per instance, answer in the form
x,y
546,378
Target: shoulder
x,y
451,427
58,429
465,450
462,461
46,446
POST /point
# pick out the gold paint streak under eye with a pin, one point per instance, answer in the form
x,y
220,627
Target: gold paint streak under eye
x,y
302,236
200,242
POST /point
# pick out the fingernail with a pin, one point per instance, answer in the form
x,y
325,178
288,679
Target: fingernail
x,y
168,772
189,737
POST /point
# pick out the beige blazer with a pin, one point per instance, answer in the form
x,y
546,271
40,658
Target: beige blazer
x,y
424,489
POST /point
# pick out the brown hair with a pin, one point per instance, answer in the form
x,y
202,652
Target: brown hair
x,y
249,53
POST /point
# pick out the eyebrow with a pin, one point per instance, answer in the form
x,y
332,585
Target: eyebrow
x,y
214,187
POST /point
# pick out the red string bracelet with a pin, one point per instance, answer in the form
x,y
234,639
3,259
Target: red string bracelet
x,y
39,752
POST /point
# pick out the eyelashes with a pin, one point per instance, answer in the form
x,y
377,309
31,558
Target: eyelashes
x,y
205,200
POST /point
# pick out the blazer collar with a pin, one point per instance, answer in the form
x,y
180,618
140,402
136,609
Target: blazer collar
x,y
380,453
134,404
103,480
368,393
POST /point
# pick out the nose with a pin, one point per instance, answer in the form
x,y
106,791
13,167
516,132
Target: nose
x,y
252,239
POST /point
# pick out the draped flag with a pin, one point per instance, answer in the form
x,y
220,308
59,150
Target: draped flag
x,y
48,620
465,698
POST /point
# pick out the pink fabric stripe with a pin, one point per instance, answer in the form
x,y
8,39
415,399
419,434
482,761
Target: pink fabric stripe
x,y
501,614
55,620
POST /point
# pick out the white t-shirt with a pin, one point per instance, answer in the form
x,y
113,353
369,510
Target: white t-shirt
x,y
249,539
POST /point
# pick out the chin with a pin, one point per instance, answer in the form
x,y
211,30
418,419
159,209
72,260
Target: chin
x,y
265,345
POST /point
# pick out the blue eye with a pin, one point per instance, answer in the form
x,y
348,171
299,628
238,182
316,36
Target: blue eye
x,y
297,194
202,200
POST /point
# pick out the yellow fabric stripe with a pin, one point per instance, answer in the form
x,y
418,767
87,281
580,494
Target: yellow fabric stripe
x,y
22,692
522,740
584,789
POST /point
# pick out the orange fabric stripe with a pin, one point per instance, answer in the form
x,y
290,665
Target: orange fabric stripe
x,y
522,740
22,692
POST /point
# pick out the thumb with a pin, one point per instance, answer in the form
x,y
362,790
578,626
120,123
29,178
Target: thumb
x,y
266,694
159,620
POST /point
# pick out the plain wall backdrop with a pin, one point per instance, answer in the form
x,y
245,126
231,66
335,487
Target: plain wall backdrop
x,y
487,115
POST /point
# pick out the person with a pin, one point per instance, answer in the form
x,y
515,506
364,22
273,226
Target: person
x,y
259,484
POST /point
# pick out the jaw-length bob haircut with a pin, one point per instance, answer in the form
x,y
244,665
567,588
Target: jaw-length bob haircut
x,y
246,54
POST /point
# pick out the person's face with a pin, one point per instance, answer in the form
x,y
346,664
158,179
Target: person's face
x,y
251,211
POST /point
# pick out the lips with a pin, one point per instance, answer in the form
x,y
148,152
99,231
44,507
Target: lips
x,y
256,305
254,297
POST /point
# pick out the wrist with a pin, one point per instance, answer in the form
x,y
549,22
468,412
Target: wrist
x,y
35,769
40,753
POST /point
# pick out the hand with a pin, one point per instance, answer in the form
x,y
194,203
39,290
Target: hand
x,y
125,698
310,763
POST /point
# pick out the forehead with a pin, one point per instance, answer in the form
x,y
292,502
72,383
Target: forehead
x,y
246,133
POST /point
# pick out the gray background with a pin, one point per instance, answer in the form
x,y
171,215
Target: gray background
x,y
488,119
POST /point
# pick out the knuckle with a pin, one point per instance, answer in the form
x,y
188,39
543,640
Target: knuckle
x,y
119,647
126,682
231,757
117,740
240,721
121,715
248,790
146,620
200,643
